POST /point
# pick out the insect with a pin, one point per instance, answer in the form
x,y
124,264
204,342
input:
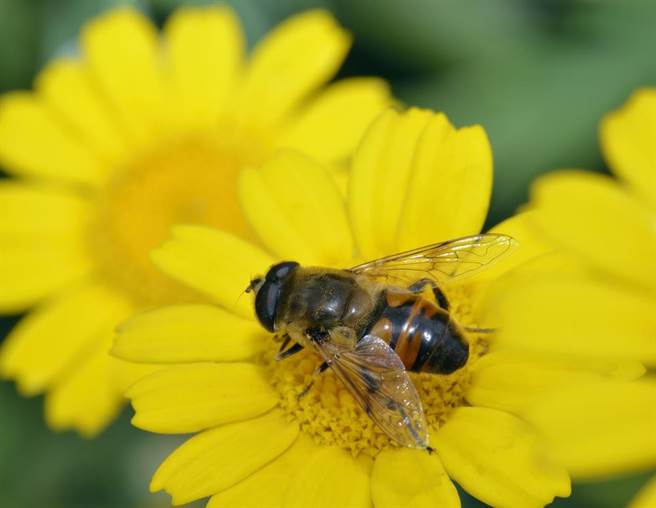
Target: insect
x,y
371,323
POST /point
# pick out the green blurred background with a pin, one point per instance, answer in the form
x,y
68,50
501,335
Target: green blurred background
x,y
537,74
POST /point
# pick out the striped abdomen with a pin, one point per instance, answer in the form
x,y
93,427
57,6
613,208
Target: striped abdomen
x,y
420,332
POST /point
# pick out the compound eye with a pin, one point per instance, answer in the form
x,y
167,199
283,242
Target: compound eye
x,y
266,303
281,270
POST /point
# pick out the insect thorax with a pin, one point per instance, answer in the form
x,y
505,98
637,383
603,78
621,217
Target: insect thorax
x,y
322,298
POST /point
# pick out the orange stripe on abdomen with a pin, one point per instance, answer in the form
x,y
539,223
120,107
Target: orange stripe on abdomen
x,y
409,338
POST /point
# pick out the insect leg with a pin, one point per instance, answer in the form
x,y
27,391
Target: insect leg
x,y
440,297
315,375
291,351
285,341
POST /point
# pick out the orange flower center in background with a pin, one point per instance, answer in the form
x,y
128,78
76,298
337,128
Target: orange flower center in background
x,y
331,416
191,180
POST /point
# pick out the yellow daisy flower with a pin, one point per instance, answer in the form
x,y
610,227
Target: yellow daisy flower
x,y
140,132
598,299
414,179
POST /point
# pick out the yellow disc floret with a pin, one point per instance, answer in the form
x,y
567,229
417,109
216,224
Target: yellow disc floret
x,y
190,180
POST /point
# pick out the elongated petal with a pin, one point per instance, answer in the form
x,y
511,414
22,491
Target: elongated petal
x,y
340,114
379,179
449,191
205,53
297,210
31,271
26,123
194,397
331,477
214,262
594,217
40,210
627,142
67,88
268,486
216,459
55,337
292,61
411,478
515,382
123,54
125,374
188,333
86,399
646,497
416,180
498,459
361,184
600,429
586,316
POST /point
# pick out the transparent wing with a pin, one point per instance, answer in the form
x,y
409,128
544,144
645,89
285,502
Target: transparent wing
x,y
376,377
440,262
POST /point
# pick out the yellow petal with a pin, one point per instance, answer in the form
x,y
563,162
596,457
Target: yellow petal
x,y
122,51
268,486
66,87
125,374
216,459
362,183
592,216
489,295
214,262
51,340
585,317
416,180
34,143
330,478
30,271
205,52
398,172
340,114
646,497
498,459
449,190
296,208
381,170
40,210
411,478
600,429
300,55
188,333
514,382
627,142
86,399
193,397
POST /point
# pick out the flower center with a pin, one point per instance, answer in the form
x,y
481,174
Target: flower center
x,y
330,414
191,180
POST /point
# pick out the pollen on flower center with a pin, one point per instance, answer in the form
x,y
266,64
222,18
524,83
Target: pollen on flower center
x,y
192,180
331,416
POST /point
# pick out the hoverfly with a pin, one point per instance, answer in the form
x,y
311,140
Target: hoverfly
x,y
370,324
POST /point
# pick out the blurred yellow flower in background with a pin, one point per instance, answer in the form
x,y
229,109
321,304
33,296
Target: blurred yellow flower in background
x,y
597,302
414,180
139,133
